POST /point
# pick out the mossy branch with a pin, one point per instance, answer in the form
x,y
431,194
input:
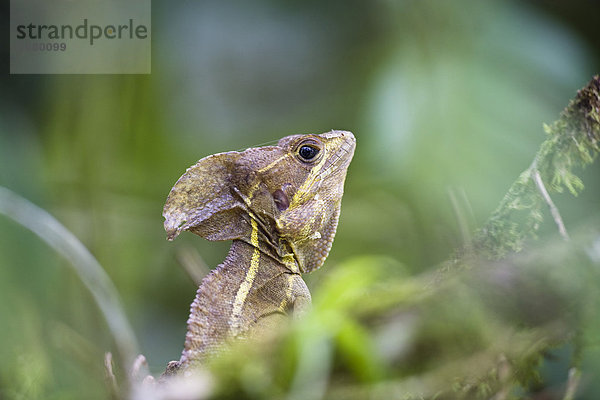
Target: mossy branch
x,y
573,141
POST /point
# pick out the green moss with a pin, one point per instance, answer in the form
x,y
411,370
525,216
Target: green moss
x,y
573,142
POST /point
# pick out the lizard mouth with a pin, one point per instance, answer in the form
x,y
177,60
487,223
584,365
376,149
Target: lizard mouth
x,y
343,155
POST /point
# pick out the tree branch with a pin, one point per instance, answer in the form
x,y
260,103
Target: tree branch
x,y
537,178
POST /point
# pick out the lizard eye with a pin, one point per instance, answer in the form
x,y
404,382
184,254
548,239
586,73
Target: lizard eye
x,y
307,152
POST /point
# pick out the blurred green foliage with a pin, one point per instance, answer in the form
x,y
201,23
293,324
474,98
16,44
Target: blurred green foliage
x,y
447,101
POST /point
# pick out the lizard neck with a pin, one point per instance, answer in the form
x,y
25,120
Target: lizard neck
x,y
240,278
252,259
246,258
266,243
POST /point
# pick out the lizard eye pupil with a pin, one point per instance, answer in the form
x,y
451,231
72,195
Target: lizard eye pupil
x,y
308,152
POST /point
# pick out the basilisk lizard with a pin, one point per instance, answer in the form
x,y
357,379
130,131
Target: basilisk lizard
x,y
280,205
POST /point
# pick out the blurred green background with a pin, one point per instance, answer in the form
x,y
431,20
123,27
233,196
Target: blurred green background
x,y
446,99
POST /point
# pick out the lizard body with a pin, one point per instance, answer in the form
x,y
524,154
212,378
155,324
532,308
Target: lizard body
x,y
280,205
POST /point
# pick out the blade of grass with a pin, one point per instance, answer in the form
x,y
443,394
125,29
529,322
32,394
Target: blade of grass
x,y
84,264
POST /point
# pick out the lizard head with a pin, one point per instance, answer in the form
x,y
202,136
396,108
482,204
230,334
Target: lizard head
x,y
292,191
312,197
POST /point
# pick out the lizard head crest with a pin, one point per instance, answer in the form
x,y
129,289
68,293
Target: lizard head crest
x,y
292,190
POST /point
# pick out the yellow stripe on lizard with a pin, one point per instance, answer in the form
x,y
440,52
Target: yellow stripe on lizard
x,y
288,293
244,288
307,184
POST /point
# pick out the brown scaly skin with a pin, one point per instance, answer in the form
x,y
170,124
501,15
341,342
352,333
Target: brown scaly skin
x,y
280,205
